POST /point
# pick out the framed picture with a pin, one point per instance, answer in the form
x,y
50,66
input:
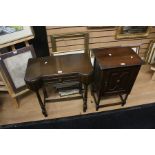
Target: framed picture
x,y
12,33
132,31
83,35
13,65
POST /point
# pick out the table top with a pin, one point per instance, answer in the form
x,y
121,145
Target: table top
x,y
53,66
116,57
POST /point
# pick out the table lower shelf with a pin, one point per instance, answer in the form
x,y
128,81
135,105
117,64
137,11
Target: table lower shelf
x,y
47,99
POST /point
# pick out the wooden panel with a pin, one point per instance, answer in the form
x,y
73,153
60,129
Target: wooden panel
x,y
98,38
61,43
68,48
152,35
113,44
152,29
107,44
101,40
102,29
142,51
65,39
53,27
66,30
144,45
101,33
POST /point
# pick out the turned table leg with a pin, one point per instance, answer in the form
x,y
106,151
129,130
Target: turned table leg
x,y
41,104
85,97
45,92
80,88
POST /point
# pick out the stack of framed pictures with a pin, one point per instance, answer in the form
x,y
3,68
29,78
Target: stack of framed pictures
x,y
13,63
10,35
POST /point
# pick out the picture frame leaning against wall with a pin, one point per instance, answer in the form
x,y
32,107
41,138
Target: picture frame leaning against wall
x,y
10,35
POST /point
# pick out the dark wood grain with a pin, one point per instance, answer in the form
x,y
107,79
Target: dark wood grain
x,y
74,67
115,72
113,57
49,66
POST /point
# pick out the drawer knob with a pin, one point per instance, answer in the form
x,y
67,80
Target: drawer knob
x,y
118,81
59,72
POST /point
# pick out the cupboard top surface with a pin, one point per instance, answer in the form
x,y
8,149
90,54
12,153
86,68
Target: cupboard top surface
x,y
116,57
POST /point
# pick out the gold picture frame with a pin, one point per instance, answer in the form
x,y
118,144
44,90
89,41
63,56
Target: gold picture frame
x,y
84,35
125,32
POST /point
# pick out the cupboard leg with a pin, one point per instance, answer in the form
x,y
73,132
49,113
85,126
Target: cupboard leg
x,y
85,97
97,104
98,101
41,104
124,99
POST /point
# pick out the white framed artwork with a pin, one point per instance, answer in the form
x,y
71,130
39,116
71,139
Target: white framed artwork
x,y
12,33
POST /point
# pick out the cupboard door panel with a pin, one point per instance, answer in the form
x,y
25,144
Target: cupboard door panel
x,y
118,80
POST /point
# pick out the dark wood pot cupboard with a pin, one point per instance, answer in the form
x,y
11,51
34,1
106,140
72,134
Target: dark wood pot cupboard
x,y
115,71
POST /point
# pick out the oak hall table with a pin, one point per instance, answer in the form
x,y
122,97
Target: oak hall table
x,y
59,69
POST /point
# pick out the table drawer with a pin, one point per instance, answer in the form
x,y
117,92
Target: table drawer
x,y
61,79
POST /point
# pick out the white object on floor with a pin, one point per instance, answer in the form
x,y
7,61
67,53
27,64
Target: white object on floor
x,y
153,69
68,92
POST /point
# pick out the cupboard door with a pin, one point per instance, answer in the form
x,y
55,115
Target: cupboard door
x,y
119,80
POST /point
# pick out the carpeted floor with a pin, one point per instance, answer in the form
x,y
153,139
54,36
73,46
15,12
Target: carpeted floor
x,y
139,117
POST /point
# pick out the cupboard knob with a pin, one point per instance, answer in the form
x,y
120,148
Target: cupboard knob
x,y
118,81
122,64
